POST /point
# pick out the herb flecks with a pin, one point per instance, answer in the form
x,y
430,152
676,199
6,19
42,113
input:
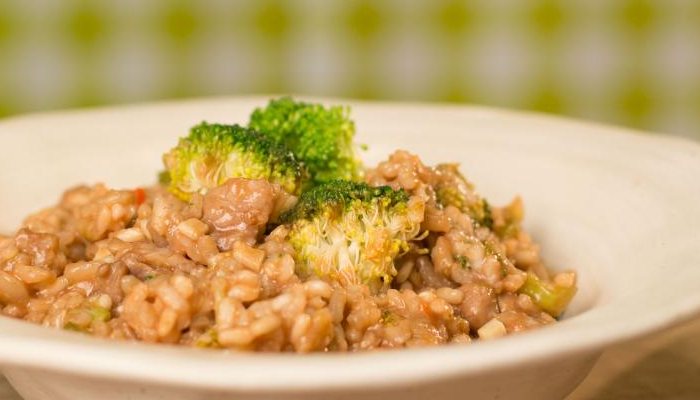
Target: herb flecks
x,y
463,262
389,318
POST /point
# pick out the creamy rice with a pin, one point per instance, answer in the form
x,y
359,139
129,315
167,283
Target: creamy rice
x,y
143,265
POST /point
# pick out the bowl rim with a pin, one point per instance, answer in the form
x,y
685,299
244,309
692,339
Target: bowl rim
x,y
30,346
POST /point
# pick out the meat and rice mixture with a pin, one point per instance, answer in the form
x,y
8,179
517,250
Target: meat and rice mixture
x,y
264,248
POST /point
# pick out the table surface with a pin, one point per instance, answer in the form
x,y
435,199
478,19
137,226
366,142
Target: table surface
x,y
664,365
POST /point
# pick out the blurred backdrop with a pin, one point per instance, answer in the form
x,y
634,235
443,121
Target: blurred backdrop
x,y
633,62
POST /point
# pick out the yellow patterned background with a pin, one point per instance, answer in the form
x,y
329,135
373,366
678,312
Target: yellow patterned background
x,y
633,63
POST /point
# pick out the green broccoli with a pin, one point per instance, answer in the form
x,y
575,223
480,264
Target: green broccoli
x,y
214,153
321,138
455,190
350,232
549,296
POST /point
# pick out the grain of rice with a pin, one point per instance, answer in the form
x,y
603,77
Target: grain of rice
x,y
30,274
565,279
526,256
104,255
317,303
130,235
404,271
104,301
192,228
183,285
128,283
244,293
143,227
118,211
171,297
316,287
336,305
226,310
300,327
248,256
235,337
452,296
166,322
461,339
81,271
60,284
12,290
440,307
8,250
207,249
265,325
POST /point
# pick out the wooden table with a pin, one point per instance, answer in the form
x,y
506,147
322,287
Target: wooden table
x,y
665,365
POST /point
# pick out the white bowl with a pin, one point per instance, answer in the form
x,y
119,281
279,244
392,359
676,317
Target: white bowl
x,y
622,208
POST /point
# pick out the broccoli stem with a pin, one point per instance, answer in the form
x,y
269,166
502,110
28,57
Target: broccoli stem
x,y
549,297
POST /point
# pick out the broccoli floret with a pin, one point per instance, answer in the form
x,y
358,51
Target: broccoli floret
x,y
350,232
321,138
453,189
214,153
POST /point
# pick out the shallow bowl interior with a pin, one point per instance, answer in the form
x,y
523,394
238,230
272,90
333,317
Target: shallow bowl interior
x,y
618,207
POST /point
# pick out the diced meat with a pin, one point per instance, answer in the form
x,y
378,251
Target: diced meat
x,y
479,304
238,210
41,247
